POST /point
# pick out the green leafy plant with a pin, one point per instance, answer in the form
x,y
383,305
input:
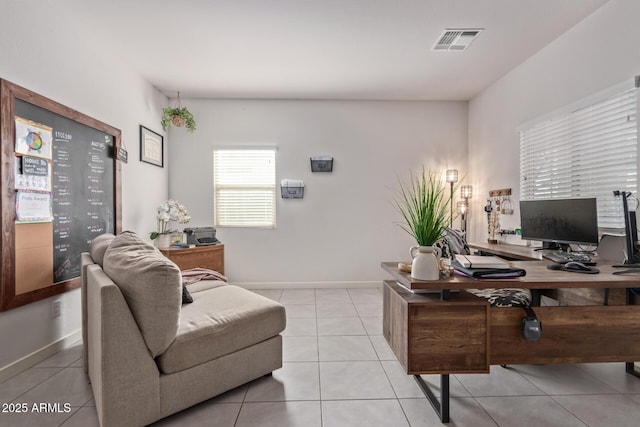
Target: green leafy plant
x,y
178,116
424,206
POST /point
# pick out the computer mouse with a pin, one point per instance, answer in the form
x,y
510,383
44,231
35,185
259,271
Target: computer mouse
x,y
575,265
578,267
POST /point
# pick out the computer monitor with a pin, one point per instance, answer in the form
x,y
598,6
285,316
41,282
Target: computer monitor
x,y
560,222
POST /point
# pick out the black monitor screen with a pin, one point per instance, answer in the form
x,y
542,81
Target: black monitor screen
x,y
560,220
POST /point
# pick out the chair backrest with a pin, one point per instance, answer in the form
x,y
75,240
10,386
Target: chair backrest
x,y
612,248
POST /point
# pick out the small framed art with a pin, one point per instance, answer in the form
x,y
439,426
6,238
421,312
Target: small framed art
x,y
151,147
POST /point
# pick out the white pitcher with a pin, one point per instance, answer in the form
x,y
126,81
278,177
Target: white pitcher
x,y
425,262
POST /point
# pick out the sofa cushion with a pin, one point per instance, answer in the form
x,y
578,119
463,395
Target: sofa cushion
x,y
193,276
204,285
151,285
98,247
221,321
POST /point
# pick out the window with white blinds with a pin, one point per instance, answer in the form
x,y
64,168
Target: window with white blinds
x,y
587,152
244,186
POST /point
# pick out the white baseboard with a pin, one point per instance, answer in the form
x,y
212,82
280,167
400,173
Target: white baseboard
x,y
38,356
308,285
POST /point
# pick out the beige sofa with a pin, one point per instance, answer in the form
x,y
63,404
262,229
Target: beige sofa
x,y
147,354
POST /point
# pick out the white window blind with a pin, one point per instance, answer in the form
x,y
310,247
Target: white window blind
x,y
586,152
244,185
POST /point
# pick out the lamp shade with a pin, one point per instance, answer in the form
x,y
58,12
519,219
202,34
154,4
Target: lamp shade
x,y
462,207
466,191
452,175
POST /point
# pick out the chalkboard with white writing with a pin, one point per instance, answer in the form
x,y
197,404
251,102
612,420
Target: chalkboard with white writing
x,y
66,157
82,186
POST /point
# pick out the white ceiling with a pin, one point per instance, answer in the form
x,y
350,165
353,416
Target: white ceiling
x,y
324,49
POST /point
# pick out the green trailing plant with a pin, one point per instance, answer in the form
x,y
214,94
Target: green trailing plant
x,y
424,206
178,116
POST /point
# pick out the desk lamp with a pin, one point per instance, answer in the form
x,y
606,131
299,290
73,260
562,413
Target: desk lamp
x,y
452,178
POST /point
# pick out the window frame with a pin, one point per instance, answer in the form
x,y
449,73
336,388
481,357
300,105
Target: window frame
x,y
560,156
271,187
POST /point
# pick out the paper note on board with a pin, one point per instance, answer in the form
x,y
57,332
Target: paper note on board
x,y
33,139
33,206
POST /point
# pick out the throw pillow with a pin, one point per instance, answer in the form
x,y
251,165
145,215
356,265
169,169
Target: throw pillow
x,y
453,242
186,296
504,297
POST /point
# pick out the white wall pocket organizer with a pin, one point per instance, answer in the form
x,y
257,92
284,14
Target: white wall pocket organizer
x,y
292,189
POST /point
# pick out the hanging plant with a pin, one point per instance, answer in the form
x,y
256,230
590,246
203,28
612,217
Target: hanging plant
x,y
179,116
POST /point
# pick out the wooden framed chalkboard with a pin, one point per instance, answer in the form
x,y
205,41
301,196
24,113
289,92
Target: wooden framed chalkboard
x,y
60,187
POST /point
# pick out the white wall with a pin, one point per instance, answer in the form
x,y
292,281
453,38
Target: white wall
x,y
344,227
48,53
599,52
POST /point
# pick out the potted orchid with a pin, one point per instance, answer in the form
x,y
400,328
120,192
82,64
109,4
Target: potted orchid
x,y
169,211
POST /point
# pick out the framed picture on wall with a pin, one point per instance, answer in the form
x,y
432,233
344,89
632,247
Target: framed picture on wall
x,y
151,147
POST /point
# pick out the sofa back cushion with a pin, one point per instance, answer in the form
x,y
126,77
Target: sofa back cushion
x,y
99,246
151,285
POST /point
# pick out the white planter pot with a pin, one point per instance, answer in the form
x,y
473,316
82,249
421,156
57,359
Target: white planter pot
x,y
425,263
164,241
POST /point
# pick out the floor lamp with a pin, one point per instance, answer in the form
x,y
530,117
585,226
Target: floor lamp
x,y
462,211
466,191
452,178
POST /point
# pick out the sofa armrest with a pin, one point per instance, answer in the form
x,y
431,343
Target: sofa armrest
x,y
124,376
85,260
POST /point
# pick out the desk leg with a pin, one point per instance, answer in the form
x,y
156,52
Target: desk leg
x,y
441,407
631,369
535,297
630,366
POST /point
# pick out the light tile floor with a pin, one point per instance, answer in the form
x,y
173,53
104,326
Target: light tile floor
x,y
339,371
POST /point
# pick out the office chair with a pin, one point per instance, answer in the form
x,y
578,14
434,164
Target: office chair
x,y
612,248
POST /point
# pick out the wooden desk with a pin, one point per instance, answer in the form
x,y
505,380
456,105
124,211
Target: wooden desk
x,y
211,257
574,295
538,277
512,252
456,332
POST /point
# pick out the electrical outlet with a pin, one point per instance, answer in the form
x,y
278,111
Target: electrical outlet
x,y
55,309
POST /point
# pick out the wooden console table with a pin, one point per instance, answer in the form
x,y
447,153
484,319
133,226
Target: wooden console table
x,y
211,257
434,327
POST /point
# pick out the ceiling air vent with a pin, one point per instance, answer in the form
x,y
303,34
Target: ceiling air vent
x,y
456,38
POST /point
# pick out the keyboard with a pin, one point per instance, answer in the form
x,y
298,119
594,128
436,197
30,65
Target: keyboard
x,y
565,257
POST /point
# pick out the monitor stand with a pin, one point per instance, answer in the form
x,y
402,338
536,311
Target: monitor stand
x,y
553,246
